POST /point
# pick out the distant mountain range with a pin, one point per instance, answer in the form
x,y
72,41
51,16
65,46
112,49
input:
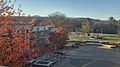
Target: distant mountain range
x,y
42,18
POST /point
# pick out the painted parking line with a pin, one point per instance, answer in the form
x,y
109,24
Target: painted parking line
x,y
87,64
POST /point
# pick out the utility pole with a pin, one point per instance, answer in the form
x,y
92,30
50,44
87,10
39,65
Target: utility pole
x,y
101,30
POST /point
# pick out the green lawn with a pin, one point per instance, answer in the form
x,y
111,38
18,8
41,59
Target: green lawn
x,y
110,36
78,37
105,37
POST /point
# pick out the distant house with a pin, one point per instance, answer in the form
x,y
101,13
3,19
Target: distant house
x,y
44,28
26,27
36,28
39,28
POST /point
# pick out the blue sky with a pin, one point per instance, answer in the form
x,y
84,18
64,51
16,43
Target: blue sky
x,y
98,9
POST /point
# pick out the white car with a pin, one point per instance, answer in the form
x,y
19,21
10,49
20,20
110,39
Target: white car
x,y
92,37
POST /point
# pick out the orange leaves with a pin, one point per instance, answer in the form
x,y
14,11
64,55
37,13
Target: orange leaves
x,y
60,30
13,40
26,62
58,38
16,65
33,50
31,28
29,34
0,45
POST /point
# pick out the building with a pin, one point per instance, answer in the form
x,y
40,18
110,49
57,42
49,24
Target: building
x,y
44,28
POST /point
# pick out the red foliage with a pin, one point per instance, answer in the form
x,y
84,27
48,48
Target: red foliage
x,y
60,30
59,37
13,40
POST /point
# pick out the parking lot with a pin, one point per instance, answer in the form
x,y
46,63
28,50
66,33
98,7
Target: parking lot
x,y
91,56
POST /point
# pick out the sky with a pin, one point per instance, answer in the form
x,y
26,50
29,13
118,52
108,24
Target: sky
x,y
97,9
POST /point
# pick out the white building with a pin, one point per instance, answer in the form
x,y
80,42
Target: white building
x,y
42,28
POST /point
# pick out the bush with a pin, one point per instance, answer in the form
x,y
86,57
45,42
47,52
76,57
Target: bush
x,y
91,41
75,46
108,43
60,47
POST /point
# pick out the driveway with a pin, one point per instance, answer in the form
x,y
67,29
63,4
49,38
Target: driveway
x,y
90,56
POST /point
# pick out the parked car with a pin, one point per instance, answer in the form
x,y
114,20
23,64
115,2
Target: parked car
x,y
92,37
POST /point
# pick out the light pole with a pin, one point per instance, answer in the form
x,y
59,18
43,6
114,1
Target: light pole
x,y
101,30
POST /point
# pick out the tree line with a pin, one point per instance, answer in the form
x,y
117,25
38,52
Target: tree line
x,y
84,25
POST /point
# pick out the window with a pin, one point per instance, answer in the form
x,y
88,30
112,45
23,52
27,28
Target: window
x,y
27,31
37,29
44,28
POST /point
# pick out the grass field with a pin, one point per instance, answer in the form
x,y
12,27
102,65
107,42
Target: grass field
x,y
110,37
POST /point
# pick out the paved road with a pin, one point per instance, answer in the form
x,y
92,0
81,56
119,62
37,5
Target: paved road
x,y
91,56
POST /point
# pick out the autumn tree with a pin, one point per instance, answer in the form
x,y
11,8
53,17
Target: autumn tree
x,y
35,21
46,21
61,22
58,38
58,19
14,41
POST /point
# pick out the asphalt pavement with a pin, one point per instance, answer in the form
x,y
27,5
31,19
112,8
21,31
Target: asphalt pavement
x,y
90,56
